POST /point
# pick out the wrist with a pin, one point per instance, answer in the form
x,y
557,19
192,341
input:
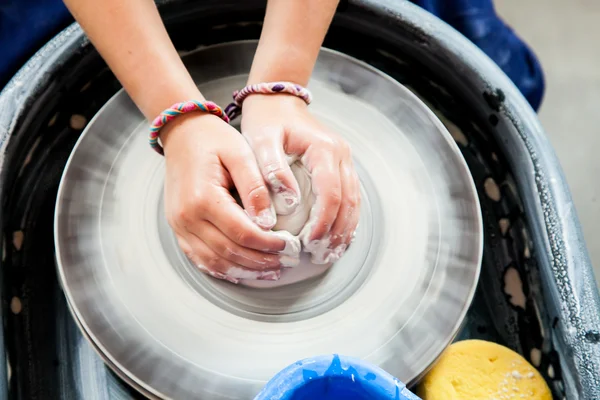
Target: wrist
x,y
258,100
164,95
274,63
193,123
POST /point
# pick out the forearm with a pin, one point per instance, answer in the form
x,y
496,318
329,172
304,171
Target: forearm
x,y
130,36
291,38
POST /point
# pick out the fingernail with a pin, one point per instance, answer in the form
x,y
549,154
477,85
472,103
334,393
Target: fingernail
x,y
292,243
265,218
354,233
288,261
285,200
319,249
335,254
223,277
321,258
232,280
340,250
269,276
292,247
241,273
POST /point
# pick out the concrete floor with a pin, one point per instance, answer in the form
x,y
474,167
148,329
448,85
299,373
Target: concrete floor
x,y
564,35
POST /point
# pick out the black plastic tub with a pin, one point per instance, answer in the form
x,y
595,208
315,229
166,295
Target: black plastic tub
x,y
533,239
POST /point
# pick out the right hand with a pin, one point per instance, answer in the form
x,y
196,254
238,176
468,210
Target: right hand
x,y
205,158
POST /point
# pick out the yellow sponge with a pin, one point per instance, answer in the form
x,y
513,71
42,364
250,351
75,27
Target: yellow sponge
x,y
479,370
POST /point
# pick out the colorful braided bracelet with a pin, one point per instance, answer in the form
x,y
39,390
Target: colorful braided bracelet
x,y
231,112
179,109
234,109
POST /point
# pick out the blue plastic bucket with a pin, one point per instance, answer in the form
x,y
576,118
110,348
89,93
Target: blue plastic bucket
x,y
334,377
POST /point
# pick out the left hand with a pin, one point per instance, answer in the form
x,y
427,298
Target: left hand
x,y
277,125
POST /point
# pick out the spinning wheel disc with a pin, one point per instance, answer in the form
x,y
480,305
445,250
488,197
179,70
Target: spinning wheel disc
x,y
396,299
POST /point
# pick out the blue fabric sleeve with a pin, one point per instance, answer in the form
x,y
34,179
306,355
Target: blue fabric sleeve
x,y
478,21
25,25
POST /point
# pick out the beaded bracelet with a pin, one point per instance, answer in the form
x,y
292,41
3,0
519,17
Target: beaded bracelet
x,y
179,109
234,109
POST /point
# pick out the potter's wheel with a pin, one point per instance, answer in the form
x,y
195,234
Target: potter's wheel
x,y
396,299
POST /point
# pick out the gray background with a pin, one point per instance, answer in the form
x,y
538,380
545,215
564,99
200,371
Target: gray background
x,y
565,35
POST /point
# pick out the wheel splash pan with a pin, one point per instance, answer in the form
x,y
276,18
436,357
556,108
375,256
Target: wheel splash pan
x,y
530,297
412,270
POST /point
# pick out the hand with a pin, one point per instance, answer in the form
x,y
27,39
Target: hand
x,y
280,125
205,158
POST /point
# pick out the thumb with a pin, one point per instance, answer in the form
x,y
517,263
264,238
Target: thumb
x,y
274,165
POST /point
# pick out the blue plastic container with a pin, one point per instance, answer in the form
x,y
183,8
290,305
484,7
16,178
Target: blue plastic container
x,y
334,377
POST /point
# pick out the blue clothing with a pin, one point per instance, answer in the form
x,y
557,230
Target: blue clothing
x,y
478,21
25,25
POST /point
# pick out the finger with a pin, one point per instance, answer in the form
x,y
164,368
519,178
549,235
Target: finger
x,y
209,262
229,218
247,258
251,187
350,232
326,185
275,169
348,214
201,257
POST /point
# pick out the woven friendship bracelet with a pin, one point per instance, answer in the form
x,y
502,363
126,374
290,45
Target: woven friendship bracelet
x,y
179,109
234,109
